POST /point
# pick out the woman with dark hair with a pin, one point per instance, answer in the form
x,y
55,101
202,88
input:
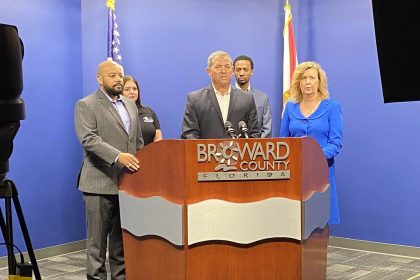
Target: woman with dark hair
x,y
149,121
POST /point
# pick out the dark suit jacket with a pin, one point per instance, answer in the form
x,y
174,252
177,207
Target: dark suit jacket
x,y
203,117
102,134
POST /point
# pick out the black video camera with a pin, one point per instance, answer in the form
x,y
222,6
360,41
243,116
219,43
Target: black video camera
x,y
12,108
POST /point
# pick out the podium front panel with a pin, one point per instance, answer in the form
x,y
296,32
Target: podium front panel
x,y
227,209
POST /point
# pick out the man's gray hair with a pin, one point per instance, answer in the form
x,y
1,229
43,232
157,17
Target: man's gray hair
x,y
216,53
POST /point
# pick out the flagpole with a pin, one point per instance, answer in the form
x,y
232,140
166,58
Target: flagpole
x,y
289,52
110,4
110,28
113,52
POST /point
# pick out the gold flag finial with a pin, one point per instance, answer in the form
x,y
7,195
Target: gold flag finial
x,y
110,4
287,5
288,15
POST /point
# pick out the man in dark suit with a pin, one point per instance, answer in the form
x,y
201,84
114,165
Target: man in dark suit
x,y
107,125
243,67
208,109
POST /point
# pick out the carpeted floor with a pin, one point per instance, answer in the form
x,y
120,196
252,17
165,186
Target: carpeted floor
x,y
343,264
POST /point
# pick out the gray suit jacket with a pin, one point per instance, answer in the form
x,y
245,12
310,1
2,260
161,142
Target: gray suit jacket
x,y
203,117
102,134
264,112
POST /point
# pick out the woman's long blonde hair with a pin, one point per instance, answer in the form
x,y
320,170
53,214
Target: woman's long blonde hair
x,y
295,92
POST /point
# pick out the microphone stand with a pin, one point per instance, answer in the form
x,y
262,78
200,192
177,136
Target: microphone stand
x,y
232,134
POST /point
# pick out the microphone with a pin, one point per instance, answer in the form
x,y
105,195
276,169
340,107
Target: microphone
x,y
243,128
229,129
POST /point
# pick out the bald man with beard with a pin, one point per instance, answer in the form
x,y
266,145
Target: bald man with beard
x,y
107,126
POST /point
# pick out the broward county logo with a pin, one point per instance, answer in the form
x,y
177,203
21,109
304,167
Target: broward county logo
x,y
256,160
227,156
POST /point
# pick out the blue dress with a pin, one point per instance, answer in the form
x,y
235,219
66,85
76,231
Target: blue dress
x,y
325,125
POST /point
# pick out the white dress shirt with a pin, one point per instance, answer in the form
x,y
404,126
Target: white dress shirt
x,y
223,101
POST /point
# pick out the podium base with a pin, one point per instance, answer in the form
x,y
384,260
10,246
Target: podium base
x,y
155,258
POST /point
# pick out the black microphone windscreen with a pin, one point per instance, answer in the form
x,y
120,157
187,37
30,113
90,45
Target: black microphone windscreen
x,y
242,124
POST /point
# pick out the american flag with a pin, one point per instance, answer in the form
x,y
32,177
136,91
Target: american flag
x,y
113,33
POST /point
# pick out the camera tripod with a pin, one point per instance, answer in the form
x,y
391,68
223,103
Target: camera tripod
x,y
9,192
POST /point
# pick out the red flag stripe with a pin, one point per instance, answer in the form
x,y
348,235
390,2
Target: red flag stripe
x,y
292,50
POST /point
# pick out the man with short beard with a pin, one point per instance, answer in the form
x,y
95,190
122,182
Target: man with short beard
x,y
243,67
107,125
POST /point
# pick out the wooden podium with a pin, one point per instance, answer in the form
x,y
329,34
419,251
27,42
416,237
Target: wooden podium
x,y
227,209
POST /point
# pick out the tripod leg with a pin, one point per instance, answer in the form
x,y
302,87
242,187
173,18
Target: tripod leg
x,y
24,229
25,233
2,225
8,236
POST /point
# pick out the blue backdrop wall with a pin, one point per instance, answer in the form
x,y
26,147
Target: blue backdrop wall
x,y
46,156
376,171
165,45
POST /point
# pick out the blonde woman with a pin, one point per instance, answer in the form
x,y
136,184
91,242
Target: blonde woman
x,y
311,113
